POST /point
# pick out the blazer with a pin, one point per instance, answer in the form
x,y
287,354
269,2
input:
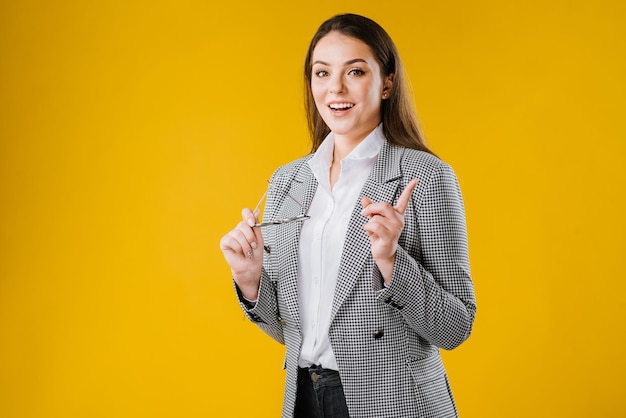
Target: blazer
x,y
386,339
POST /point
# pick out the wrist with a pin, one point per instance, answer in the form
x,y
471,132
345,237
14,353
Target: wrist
x,y
249,291
248,287
386,268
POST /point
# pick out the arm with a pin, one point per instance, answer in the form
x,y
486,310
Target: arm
x,y
264,312
251,268
430,284
243,250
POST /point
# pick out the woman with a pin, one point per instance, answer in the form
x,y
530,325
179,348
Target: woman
x,y
363,271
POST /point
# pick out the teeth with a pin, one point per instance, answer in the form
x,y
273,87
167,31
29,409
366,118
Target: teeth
x,y
341,106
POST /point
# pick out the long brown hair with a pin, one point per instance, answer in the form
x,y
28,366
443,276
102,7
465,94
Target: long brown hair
x,y
400,124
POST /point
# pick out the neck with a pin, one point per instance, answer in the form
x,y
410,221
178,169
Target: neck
x,y
342,149
344,144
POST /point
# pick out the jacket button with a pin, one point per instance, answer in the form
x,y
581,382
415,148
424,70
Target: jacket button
x,y
379,333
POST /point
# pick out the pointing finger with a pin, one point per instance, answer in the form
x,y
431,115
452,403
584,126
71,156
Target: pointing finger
x,y
404,198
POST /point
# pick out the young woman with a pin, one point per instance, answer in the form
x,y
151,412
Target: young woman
x,y
361,268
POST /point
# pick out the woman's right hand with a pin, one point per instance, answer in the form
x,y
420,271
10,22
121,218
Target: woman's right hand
x,y
243,250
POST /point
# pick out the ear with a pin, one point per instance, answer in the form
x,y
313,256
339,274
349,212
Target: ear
x,y
388,84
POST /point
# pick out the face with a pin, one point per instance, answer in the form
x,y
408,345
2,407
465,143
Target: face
x,y
347,86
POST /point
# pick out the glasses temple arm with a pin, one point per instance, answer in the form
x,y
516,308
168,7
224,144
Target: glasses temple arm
x,y
295,200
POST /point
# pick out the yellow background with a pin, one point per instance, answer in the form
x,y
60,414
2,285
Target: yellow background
x,y
133,132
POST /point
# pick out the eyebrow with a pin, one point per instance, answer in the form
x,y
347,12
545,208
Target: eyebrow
x,y
350,62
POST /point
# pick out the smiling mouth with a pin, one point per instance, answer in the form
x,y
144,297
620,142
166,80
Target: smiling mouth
x,y
340,107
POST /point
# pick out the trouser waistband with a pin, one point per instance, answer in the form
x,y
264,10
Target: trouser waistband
x,y
316,373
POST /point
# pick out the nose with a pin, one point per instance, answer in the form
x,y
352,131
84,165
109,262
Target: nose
x,y
337,85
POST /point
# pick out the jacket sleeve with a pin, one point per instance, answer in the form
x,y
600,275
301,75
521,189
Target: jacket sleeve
x,y
264,312
431,284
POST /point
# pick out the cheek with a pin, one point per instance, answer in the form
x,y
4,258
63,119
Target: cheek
x,y
318,95
375,91
317,90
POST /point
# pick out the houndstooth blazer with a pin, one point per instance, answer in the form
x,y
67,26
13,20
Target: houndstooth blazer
x,y
386,339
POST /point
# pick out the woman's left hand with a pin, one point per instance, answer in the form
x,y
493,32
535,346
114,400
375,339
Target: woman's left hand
x,y
384,227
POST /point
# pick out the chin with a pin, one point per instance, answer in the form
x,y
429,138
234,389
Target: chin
x,y
341,128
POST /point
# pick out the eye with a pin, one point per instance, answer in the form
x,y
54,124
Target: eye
x,y
356,72
321,73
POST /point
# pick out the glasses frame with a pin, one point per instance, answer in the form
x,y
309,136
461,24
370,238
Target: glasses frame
x,y
298,218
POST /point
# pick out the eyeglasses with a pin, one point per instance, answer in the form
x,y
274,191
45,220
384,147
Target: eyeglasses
x,y
298,218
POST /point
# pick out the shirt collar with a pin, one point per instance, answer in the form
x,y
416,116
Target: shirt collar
x,y
367,149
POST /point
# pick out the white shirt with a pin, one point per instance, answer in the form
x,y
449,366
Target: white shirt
x,y
322,239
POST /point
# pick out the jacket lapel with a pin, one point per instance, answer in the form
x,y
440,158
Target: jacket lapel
x,y
381,186
302,187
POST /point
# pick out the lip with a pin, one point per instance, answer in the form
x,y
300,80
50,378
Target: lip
x,y
340,111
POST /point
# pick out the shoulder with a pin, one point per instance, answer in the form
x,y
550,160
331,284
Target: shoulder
x,y
436,178
287,172
415,163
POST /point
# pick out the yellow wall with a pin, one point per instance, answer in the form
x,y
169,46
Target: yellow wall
x,y
132,132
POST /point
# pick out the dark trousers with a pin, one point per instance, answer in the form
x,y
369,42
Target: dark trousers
x,y
320,394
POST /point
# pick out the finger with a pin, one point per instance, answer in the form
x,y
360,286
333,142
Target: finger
x,y
229,244
245,245
365,201
405,197
379,227
248,217
258,233
249,233
383,209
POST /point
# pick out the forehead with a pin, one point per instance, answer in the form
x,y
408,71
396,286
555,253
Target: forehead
x,y
335,47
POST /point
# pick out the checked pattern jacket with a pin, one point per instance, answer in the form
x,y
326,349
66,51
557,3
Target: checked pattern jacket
x,y
386,339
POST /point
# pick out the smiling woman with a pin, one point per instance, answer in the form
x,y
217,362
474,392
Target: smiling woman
x,y
348,93
377,278
364,37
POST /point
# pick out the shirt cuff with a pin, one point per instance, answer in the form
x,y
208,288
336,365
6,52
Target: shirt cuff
x,y
250,304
